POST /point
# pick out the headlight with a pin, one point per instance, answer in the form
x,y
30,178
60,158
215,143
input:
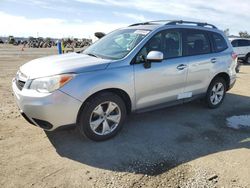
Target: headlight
x,y
50,84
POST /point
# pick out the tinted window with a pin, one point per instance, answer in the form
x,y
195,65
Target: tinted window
x,y
234,43
219,42
172,44
243,43
154,44
196,43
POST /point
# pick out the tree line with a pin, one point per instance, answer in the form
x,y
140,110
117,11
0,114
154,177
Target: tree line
x,y
242,34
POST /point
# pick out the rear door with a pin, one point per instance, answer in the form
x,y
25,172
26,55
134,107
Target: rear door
x,y
197,49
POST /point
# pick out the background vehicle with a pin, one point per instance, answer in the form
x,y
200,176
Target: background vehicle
x,y
241,47
141,67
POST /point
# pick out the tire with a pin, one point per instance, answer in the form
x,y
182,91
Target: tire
x,y
98,122
237,69
247,59
213,94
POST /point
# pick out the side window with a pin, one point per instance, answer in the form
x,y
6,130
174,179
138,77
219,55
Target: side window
x,y
154,44
234,43
172,44
196,43
242,43
219,42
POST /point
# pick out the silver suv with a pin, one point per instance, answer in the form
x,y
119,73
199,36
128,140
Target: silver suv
x,y
141,67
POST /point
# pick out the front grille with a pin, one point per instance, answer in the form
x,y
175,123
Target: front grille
x,y
20,84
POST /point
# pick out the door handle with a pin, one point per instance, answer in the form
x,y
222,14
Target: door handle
x,y
213,60
181,67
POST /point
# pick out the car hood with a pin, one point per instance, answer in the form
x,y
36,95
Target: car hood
x,y
59,64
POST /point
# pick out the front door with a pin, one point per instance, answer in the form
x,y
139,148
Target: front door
x,y
165,81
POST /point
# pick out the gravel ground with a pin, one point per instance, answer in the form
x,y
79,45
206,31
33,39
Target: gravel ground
x,y
182,146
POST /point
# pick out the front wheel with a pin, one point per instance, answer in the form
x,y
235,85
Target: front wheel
x,y
216,93
102,116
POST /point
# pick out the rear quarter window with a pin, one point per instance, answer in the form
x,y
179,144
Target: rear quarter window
x,y
219,42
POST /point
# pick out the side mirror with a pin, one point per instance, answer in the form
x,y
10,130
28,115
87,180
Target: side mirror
x,y
155,56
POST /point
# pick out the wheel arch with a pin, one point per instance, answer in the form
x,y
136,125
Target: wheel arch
x,y
225,76
247,55
121,93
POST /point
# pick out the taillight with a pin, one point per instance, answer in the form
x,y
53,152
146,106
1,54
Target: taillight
x,y
234,56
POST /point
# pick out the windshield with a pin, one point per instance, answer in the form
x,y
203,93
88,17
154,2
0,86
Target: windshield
x,y
117,44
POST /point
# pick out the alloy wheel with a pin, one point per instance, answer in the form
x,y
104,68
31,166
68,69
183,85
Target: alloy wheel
x,y
105,118
217,93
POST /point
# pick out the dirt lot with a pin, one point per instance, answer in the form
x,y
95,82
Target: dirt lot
x,y
183,146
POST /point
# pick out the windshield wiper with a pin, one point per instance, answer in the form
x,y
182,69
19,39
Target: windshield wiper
x,y
93,55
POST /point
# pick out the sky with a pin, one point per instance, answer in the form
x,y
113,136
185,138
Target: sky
x,y
82,18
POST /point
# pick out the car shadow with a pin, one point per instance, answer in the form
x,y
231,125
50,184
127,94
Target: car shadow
x,y
154,142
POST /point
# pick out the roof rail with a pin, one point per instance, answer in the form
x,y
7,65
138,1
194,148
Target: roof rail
x,y
190,23
175,22
142,23
150,22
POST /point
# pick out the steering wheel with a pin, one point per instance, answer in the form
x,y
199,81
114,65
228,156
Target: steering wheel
x,y
115,44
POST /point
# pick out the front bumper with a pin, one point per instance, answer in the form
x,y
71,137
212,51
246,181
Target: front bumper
x,y
46,110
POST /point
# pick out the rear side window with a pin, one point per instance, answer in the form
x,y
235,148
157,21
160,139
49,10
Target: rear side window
x,y
196,43
219,42
243,43
234,43
240,43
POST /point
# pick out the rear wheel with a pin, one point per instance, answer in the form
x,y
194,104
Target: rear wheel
x,y
237,69
102,116
216,93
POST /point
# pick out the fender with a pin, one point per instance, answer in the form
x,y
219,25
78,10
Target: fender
x,y
86,84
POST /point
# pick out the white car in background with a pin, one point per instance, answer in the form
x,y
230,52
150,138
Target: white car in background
x,y
241,47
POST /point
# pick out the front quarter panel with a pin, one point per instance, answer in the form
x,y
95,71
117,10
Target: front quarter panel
x,y
86,84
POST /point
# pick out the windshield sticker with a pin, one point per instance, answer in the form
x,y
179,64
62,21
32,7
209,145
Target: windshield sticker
x,y
141,32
